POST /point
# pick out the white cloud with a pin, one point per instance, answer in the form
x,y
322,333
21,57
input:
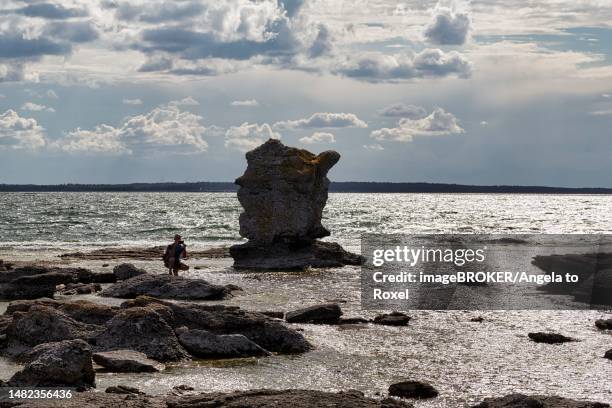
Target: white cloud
x,y
20,133
34,107
318,137
188,101
484,123
438,123
373,146
248,136
429,63
607,96
605,112
323,120
404,111
132,101
165,128
245,103
448,27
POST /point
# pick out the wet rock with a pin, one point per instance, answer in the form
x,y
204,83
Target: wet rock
x,y
608,354
10,291
45,279
166,287
126,271
204,344
478,319
283,192
273,314
127,361
549,338
604,324
269,334
141,329
79,289
536,401
123,389
353,320
64,363
283,398
412,389
143,254
43,324
392,319
81,310
320,314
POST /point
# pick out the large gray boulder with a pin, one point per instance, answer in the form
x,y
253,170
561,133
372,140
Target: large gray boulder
x,y
166,287
43,324
537,401
141,329
59,364
126,271
269,334
283,192
204,344
127,361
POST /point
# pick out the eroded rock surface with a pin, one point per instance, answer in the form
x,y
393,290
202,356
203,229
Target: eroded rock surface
x,y
127,361
283,192
167,287
537,401
550,338
328,313
204,344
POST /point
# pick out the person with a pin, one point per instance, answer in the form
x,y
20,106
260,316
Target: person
x,y
173,255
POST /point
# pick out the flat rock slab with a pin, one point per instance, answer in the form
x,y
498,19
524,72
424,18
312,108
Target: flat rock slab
x,y
166,287
127,361
241,399
392,319
537,401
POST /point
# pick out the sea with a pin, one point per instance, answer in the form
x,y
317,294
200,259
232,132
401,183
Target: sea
x,y
466,361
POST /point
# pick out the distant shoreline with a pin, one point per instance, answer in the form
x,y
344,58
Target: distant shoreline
x,y
335,187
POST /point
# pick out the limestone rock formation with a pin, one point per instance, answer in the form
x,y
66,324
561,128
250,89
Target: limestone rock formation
x,y
283,192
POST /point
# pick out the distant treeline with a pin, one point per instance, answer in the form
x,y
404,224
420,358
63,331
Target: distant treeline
x,y
338,187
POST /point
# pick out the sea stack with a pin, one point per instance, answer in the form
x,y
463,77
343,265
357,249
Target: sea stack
x,y
283,192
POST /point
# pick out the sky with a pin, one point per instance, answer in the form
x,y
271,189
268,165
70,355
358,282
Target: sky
x,y
473,92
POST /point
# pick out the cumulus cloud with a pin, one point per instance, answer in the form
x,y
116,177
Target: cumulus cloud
x,y
132,101
404,111
323,120
318,137
188,101
438,123
448,27
379,67
245,103
73,31
248,136
164,128
20,133
34,107
155,11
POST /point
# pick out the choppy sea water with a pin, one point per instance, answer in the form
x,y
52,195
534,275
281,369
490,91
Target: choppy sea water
x,y
466,361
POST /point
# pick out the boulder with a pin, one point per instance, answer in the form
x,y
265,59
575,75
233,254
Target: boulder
x,y
123,389
43,324
141,329
536,401
412,389
11,291
392,319
79,289
549,338
604,324
204,344
608,354
320,314
127,361
166,287
283,192
45,279
126,271
269,334
80,310
60,364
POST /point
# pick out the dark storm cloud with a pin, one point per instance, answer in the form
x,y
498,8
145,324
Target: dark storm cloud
x,y
77,32
16,46
50,11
